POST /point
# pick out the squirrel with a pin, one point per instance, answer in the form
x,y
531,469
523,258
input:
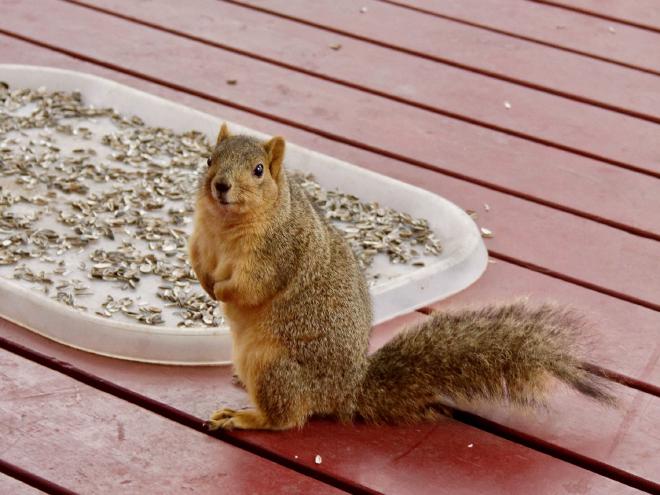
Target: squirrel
x,y
300,315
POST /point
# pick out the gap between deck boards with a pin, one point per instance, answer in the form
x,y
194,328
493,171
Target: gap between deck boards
x,y
33,480
174,414
506,190
452,63
601,371
186,419
383,94
520,36
597,14
573,280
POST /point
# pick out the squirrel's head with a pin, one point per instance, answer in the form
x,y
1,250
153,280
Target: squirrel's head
x,y
244,174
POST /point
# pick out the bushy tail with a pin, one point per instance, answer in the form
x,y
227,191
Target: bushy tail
x,y
502,353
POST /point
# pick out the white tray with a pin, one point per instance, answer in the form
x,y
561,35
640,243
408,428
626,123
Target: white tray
x,y
400,289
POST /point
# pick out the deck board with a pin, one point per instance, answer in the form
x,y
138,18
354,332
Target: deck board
x,y
612,41
372,456
617,437
293,101
12,486
572,75
91,442
640,12
441,88
607,437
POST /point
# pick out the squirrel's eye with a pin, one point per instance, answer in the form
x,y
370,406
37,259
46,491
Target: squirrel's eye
x,y
208,162
259,170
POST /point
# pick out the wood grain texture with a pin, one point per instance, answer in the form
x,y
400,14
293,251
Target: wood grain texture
x,y
416,459
642,13
544,23
630,353
544,172
91,442
551,239
339,120
501,56
12,486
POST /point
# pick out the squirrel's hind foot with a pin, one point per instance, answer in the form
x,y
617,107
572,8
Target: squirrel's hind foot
x,y
249,419
218,419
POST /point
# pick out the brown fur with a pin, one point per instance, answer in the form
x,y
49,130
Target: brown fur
x,y
300,315
498,353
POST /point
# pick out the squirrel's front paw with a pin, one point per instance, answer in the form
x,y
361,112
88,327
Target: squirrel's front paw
x,y
207,284
223,291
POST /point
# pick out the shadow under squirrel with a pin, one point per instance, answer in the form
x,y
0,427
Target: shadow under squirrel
x,y
300,315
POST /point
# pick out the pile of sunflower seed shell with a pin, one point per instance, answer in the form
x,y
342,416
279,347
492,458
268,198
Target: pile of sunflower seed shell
x,y
371,229
96,208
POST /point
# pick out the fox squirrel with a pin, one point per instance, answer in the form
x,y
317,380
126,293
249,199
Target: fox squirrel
x,y
300,314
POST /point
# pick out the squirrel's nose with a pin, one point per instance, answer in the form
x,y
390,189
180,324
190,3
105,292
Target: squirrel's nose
x,y
222,187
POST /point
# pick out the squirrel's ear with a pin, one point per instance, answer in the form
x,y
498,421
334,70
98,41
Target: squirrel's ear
x,y
275,150
224,133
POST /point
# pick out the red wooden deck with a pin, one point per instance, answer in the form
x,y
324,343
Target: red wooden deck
x,y
417,91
